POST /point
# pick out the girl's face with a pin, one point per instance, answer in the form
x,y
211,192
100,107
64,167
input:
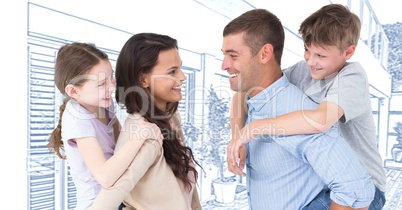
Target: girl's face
x,y
97,90
165,79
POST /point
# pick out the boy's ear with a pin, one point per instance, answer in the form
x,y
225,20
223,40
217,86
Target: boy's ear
x,y
71,91
350,51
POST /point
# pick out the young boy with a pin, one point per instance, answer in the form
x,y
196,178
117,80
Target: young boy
x,y
330,37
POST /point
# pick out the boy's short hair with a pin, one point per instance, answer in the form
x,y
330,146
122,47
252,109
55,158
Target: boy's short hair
x,y
332,25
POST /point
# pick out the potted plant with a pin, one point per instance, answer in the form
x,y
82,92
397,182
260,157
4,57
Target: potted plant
x,y
396,150
191,134
213,149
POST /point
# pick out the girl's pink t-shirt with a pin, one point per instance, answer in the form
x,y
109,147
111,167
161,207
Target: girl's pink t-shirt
x,y
78,122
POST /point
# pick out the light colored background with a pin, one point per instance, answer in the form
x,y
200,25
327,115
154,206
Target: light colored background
x,y
198,27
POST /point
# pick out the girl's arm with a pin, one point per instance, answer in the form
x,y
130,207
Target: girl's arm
x,y
116,129
111,198
106,172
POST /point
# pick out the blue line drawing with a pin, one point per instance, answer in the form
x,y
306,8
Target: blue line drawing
x,y
204,109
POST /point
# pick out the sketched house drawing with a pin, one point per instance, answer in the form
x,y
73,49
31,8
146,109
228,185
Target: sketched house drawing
x,y
50,25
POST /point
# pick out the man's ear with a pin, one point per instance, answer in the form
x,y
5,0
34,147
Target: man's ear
x,y
71,91
349,52
266,53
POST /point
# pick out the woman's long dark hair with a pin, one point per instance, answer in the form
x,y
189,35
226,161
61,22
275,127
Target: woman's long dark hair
x,y
137,58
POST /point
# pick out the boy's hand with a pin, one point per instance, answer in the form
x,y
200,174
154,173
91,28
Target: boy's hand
x,y
150,131
234,166
236,150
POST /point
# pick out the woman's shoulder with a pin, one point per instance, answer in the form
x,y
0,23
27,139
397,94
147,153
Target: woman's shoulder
x,y
133,118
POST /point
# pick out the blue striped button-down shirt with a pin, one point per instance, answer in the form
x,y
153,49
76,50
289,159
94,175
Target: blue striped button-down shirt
x,y
287,172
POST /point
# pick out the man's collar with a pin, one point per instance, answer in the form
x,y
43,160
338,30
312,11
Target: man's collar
x,y
263,97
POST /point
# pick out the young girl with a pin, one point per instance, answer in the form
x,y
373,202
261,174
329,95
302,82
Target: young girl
x,y
88,127
149,82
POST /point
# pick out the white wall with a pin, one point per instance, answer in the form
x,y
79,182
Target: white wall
x,y
196,28
13,105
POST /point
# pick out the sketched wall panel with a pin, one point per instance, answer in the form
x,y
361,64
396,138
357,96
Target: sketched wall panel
x,y
41,107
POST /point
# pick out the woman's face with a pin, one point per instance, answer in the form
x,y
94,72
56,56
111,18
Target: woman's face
x,y
165,79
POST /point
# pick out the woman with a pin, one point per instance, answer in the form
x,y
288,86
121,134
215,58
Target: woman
x,y
149,80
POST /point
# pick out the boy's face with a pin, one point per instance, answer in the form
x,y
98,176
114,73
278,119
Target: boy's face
x,y
326,62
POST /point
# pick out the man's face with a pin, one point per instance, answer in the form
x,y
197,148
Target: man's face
x,y
324,62
241,66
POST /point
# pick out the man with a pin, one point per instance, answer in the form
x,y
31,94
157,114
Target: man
x,y
286,172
